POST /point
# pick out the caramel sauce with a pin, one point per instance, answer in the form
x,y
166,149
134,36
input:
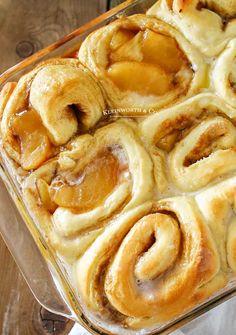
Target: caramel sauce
x,y
87,189
162,50
73,54
120,37
45,197
232,76
233,87
140,77
31,135
167,143
206,145
145,62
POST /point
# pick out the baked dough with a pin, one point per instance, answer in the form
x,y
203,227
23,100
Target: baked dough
x,y
192,144
39,114
224,74
73,195
142,64
138,213
208,24
152,264
217,205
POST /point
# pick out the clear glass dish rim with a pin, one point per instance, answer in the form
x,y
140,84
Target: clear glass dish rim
x,y
10,184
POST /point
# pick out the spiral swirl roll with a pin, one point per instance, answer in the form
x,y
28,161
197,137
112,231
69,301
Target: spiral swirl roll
x,y
194,18
46,108
193,143
5,94
224,74
75,194
139,215
150,264
218,207
142,63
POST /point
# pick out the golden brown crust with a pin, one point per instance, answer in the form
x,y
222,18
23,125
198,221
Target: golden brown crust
x,y
218,208
48,92
154,297
141,212
5,94
65,225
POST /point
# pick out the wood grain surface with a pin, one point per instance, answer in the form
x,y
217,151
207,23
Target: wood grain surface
x,y
25,27
29,25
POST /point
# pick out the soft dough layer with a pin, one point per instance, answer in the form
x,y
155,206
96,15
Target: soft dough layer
x,y
192,144
151,264
143,64
138,212
85,186
208,24
47,107
224,74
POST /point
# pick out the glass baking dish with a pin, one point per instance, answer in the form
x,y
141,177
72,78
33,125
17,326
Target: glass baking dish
x,y
36,261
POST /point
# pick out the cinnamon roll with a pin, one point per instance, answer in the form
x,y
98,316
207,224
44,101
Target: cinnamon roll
x,y
192,144
5,94
208,24
152,264
218,208
47,108
139,216
142,63
73,195
224,74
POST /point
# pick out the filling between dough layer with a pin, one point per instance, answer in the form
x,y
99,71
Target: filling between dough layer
x,y
145,62
86,189
232,76
30,139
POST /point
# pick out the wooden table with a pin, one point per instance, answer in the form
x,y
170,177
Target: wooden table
x,y
27,26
